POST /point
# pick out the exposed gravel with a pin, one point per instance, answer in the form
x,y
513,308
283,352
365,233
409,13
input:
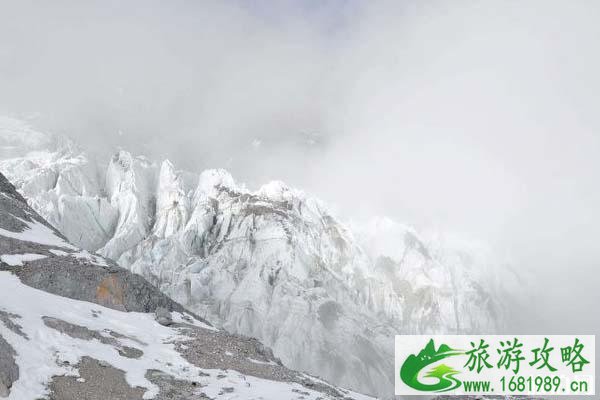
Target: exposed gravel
x,y
221,350
174,389
96,382
81,332
78,332
100,381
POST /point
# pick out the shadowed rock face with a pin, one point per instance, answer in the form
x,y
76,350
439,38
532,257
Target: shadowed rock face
x,y
9,371
9,190
14,211
110,286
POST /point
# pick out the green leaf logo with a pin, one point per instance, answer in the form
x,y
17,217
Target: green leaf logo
x,y
412,366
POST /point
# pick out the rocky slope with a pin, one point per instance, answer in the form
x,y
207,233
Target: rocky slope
x,y
76,326
271,263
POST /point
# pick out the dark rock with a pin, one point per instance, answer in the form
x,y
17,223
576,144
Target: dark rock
x,y
9,321
163,316
130,352
9,370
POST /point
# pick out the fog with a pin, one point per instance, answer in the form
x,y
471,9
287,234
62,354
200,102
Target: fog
x,y
468,117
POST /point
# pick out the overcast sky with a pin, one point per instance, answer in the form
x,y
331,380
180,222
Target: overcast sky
x,y
473,117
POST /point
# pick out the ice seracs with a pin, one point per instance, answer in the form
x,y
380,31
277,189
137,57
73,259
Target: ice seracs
x,y
74,325
273,263
172,203
129,186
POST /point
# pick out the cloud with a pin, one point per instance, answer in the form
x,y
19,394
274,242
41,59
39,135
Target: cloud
x,y
478,118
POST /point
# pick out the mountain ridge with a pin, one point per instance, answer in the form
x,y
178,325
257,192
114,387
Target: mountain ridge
x,y
83,328
271,263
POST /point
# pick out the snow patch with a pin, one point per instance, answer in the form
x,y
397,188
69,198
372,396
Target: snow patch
x,y
85,255
252,360
181,318
15,260
47,352
43,356
37,232
210,180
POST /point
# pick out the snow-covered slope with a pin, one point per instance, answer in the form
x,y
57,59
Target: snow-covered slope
x,y
73,325
271,263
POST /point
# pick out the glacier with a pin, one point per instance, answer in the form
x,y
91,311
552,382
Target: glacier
x,y
273,263
74,325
